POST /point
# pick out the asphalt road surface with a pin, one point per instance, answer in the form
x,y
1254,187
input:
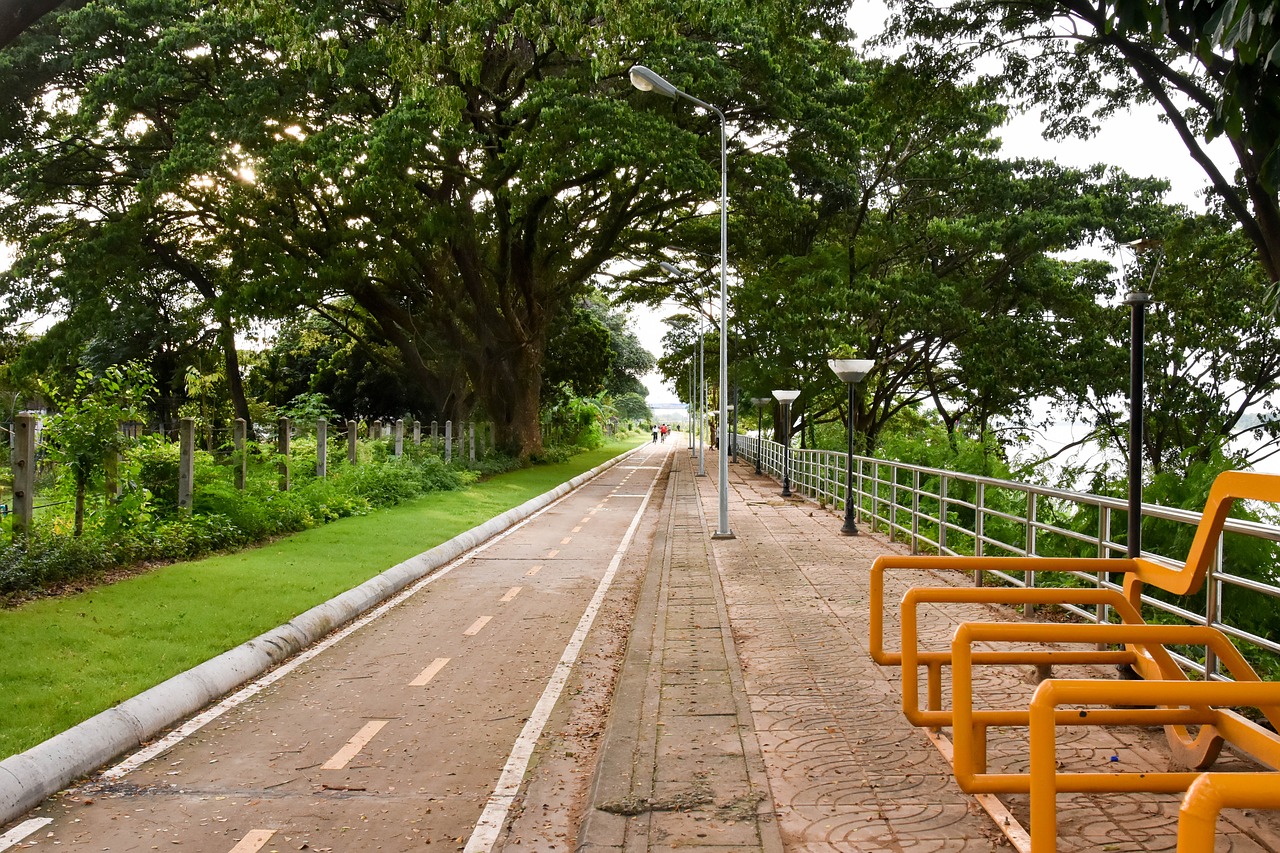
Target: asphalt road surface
x,y
413,729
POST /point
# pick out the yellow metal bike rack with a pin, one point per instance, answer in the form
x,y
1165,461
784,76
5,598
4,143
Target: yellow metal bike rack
x,y
1210,793
1047,717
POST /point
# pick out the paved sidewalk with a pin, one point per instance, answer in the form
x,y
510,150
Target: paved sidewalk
x,y
787,707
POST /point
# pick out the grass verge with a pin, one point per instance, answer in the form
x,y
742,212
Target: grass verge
x,y
69,658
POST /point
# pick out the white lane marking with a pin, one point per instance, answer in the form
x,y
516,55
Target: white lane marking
x,y
495,811
566,540
533,571
429,673
254,841
511,593
477,626
22,830
552,553
353,747
253,688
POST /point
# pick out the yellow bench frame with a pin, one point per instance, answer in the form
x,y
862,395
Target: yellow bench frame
x,y
1210,793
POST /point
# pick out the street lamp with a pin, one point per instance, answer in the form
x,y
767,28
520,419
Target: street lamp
x,y
786,398
759,402
647,81
851,371
1138,300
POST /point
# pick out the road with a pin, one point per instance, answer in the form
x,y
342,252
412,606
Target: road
x,y
412,729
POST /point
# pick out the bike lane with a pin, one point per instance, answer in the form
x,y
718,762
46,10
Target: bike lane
x,y
398,734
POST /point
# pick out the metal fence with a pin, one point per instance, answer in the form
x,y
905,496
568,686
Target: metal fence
x,y
944,512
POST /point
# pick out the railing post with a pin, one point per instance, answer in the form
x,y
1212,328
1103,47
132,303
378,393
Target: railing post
x,y
24,473
282,448
979,502
915,511
399,434
186,464
1029,548
1212,606
322,448
353,441
943,523
239,433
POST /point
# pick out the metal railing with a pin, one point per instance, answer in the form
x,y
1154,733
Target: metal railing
x,y
945,512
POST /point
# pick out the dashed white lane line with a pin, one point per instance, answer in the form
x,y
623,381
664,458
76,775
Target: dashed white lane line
x,y
487,828
353,747
533,571
511,593
429,673
254,841
477,626
22,830
552,553
170,740
566,540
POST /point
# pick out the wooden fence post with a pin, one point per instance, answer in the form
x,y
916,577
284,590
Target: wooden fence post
x,y
322,448
24,473
352,440
282,447
239,431
186,464
399,438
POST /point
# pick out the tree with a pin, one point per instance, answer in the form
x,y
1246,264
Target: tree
x,y
85,431
1211,66
1212,357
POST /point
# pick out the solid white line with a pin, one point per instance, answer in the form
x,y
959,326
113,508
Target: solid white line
x,y
250,690
254,841
429,673
477,626
495,811
22,830
343,756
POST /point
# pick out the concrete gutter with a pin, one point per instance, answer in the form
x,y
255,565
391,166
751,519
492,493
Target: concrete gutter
x,y
28,778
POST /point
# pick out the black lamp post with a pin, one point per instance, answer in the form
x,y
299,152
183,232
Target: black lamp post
x,y
786,398
759,404
733,433
851,371
1137,300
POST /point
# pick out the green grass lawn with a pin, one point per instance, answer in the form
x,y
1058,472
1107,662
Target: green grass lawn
x,y
66,659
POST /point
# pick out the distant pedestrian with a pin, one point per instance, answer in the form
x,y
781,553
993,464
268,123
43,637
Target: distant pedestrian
x,y
655,433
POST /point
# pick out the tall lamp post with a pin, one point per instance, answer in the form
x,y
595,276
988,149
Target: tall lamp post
x,y
759,402
786,398
648,81
1138,300
851,371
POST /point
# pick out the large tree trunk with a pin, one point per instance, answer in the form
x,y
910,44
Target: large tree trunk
x,y
512,395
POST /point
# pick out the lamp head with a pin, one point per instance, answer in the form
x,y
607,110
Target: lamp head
x,y
671,268
785,396
648,81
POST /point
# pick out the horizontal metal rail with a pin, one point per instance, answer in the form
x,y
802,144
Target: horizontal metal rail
x,y
945,512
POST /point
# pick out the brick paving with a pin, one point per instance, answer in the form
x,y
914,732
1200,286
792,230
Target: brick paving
x,y
748,678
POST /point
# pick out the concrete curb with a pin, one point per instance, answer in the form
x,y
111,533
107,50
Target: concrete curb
x,y
27,778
